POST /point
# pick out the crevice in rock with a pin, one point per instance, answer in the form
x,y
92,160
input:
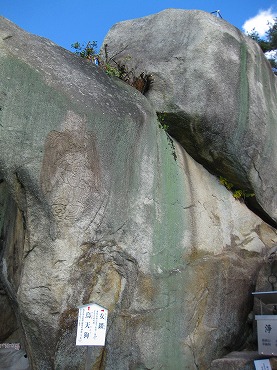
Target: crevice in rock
x,y
189,130
12,237
254,206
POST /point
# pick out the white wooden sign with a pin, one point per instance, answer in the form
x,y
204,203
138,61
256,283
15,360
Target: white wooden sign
x,y
262,365
92,325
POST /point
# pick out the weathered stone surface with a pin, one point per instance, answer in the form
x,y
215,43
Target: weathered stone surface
x,y
217,89
236,361
243,360
12,359
8,323
95,207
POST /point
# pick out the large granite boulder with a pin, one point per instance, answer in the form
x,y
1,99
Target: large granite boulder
x,y
99,204
217,92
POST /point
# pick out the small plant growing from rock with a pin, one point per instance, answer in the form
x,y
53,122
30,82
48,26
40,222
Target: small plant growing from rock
x,y
161,118
88,51
237,193
112,67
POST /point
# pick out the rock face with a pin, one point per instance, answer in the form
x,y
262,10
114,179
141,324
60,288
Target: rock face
x,y
99,205
236,360
217,91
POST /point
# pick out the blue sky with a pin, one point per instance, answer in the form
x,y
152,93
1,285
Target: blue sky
x,y
68,21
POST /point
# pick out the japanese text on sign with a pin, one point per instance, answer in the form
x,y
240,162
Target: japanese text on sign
x,y
262,365
92,325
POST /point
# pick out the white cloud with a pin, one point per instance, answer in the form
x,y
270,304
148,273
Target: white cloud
x,y
260,22
271,54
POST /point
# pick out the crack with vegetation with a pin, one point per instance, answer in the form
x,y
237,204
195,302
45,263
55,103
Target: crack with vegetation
x,y
248,197
161,116
184,129
240,194
141,82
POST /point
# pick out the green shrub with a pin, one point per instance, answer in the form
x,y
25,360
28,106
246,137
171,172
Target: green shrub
x,y
88,51
112,67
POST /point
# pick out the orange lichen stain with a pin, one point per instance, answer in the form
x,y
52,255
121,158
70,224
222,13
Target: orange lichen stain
x,y
194,255
106,290
147,287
